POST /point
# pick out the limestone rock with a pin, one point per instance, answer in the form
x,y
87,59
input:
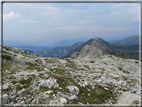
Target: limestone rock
x,y
63,100
73,97
51,82
5,99
73,90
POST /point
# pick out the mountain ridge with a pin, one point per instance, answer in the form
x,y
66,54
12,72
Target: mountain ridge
x,y
128,41
58,52
97,47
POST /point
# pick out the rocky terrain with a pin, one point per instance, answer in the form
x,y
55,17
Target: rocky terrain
x,y
107,79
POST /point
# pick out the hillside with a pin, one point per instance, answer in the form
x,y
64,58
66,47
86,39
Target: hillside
x,y
58,52
31,79
129,41
97,47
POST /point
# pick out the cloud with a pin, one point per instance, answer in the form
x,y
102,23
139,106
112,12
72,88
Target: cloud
x,y
10,16
129,10
136,19
68,20
30,21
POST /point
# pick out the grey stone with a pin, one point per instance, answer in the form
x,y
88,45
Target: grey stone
x,y
73,90
51,82
5,99
63,100
73,97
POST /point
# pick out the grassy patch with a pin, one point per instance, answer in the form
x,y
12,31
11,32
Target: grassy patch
x,y
8,57
126,72
59,70
19,87
25,81
7,48
120,69
7,65
38,68
95,96
64,81
70,64
41,75
13,81
136,102
11,77
30,64
4,52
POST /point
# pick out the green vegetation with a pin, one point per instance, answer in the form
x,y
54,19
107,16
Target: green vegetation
x,y
136,102
126,72
19,87
95,96
41,75
4,52
11,77
70,64
25,81
120,68
136,62
6,65
64,81
38,68
13,81
59,70
31,64
7,48
8,57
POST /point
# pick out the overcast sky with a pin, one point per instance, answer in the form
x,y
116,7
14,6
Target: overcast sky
x,y
46,23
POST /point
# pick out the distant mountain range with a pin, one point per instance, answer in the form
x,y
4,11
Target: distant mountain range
x,y
68,42
129,41
95,48
58,52
14,43
128,46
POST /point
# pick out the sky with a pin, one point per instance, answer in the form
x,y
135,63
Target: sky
x,y
42,24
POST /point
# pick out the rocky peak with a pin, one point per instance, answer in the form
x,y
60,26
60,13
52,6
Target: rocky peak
x,y
94,48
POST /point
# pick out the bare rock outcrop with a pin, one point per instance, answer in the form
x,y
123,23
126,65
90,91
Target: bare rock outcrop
x,y
51,82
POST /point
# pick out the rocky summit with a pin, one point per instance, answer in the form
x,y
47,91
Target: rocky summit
x,y
84,80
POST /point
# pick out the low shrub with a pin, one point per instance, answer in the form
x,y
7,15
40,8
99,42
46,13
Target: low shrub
x,y
6,57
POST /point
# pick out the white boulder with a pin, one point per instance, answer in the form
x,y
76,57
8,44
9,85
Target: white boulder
x,y
73,90
73,97
51,82
5,99
63,100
